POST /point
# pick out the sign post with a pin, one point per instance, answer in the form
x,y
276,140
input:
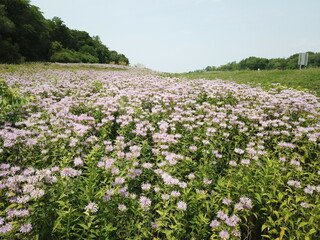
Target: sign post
x,y
303,59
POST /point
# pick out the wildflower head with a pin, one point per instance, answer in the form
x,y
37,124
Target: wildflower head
x,y
92,207
182,206
26,228
122,207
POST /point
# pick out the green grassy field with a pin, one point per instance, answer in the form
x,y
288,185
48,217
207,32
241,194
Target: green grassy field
x,y
56,66
305,79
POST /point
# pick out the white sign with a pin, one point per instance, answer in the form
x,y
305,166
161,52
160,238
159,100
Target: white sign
x,y
303,59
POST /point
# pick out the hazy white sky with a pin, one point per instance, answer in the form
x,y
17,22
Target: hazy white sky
x,y
185,35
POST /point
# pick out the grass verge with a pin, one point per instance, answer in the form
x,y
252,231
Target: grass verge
x,y
305,79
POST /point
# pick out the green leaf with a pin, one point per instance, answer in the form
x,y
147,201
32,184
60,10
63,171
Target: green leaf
x,y
264,226
280,196
11,206
57,224
266,236
282,233
61,203
84,226
276,213
258,197
302,224
312,231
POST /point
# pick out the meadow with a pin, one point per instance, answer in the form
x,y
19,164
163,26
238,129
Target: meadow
x,y
91,153
307,79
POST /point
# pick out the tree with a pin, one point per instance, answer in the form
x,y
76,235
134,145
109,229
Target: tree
x,y
292,61
25,27
232,66
210,68
253,63
314,59
10,51
277,63
26,35
59,32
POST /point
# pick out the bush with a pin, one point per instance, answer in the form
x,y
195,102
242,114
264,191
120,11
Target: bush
x,y
65,56
10,104
71,56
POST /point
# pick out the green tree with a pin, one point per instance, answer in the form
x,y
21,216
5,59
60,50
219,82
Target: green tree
x,y
210,68
314,59
26,35
10,51
277,63
59,32
232,66
25,27
253,63
292,61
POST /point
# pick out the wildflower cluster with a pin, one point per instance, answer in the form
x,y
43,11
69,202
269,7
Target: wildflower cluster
x,y
115,155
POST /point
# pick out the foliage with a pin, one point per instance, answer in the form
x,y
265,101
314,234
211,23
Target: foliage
x,y
127,155
25,35
71,56
305,79
10,104
255,63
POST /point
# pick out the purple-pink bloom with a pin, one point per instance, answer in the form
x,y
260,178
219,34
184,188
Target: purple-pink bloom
x,y
119,181
182,206
224,234
214,223
70,172
222,215
226,201
6,228
232,221
26,228
92,207
122,207
78,161
145,202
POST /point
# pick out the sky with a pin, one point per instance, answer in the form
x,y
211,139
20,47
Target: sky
x,y
185,35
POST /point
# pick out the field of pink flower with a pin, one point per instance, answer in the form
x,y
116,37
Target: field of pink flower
x,y
90,154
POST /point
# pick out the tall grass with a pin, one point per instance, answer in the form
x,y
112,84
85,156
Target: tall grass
x,y
306,79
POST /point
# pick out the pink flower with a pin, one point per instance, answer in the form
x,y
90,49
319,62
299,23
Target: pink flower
x,y
233,163
122,207
245,161
175,194
6,228
193,148
165,196
70,172
37,193
191,176
222,215
26,228
226,201
145,202
232,221
119,181
207,181
146,186
224,234
239,150
92,207
78,161
182,206
214,223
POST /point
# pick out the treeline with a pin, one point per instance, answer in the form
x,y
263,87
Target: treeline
x,y
255,63
25,35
